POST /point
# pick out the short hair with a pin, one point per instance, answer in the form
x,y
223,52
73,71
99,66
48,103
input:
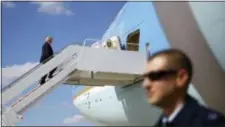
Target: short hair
x,y
47,38
176,59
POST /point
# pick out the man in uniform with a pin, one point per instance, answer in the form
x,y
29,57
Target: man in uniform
x,y
166,80
148,53
47,54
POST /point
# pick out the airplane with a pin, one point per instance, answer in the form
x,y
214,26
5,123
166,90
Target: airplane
x,y
195,27
109,69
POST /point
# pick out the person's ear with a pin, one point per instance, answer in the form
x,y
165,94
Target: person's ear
x,y
182,77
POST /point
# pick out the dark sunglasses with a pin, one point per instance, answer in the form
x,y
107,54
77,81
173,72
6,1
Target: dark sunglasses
x,y
157,75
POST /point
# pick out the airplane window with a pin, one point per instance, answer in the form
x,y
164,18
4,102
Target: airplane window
x,y
133,40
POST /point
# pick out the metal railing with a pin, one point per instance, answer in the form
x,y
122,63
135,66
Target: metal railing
x,y
83,45
32,69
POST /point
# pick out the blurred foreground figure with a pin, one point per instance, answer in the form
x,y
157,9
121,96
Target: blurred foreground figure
x,y
166,81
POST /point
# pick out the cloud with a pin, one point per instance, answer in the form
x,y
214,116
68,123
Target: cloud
x,y
54,8
73,119
9,4
10,73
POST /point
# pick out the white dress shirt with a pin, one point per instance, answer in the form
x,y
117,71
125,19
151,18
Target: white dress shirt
x,y
173,115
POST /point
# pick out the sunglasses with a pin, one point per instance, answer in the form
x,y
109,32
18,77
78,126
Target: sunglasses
x,y
157,75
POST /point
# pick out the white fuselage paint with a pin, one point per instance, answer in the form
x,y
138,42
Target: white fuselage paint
x,y
101,105
111,105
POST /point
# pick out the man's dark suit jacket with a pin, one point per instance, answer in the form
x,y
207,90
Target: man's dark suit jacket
x,y
47,52
195,115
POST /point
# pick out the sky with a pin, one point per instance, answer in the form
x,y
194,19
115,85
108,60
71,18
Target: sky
x,y
24,27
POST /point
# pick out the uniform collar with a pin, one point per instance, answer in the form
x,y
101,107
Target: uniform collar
x,y
184,115
187,112
173,115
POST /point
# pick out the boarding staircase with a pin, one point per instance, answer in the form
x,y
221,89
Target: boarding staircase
x,y
77,65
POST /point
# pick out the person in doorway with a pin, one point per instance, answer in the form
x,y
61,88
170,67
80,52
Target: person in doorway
x,y
47,54
166,81
123,47
148,50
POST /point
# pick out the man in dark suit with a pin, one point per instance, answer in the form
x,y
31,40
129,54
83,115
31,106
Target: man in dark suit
x,y
166,81
47,54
